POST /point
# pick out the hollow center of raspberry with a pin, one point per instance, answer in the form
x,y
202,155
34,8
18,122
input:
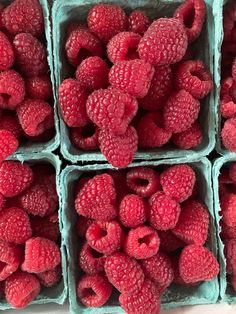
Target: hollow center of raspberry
x,y
141,182
132,53
88,292
96,254
2,266
199,75
102,233
146,239
189,17
88,131
5,98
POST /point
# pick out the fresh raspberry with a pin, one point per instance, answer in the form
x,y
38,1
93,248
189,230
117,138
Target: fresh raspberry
x,y
123,47
42,227
227,232
192,14
234,69
138,22
178,182
2,202
96,199
39,87
228,203
228,134
193,223
189,138
150,130
197,263
165,42
91,261
161,87
86,137
111,110
82,44
133,211
119,150
14,225
229,21
227,88
10,258
124,273
180,111
82,225
106,20
9,122
72,99
105,237
8,144
6,54
143,181
232,172
164,211
51,277
35,116
133,77
21,288
169,242
227,107
93,290
12,90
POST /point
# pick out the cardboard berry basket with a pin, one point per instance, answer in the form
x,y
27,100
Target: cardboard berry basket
x,y
64,12
176,296
57,294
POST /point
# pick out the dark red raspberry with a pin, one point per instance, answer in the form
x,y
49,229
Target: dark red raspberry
x,y
169,242
6,54
2,202
229,21
42,227
178,182
39,87
227,232
160,89
111,110
51,277
82,225
106,20
10,258
124,273
228,134
123,47
165,42
9,122
93,290
138,22
227,107
12,90
230,255
228,87
91,261
189,138
119,150
133,77
86,137
8,144
228,203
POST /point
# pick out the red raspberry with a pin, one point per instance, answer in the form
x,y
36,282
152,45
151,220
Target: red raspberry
x,y
51,277
119,150
180,111
192,14
123,47
6,54
165,42
31,55
10,258
196,264
96,199
2,202
14,225
111,110
227,107
228,202
91,261
35,116
133,77
133,211
82,226
193,223
105,237
138,22
229,20
93,290
124,273
9,122
189,138
228,87
169,242
227,232
178,182
8,144
42,227
12,90
228,134
161,87
39,87
85,138
21,288
234,69
106,20
164,211
150,130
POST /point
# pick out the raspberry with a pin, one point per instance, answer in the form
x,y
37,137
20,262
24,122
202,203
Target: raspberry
x,y
35,116
229,20
180,112
169,242
165,42
164,211
132,76
12,90
31,55
85,138
119,150
10,123
51,277
82,44
82,225
42,227
192,14
228,203
232,173
133,211
96,199
2,202
228,134
39,87
228,87
105,237
123,47
161,87
178,182
72,99
6,53
193,223
111,110
91,261
10,258
227,107
196,264
124,273
189,138
150,130
93,290
138,22
14,225
106,20
227,232
21,288
8,144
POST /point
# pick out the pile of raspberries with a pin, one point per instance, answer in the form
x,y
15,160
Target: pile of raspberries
x,y
228,75
136,82
25,87
142,229
30,255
